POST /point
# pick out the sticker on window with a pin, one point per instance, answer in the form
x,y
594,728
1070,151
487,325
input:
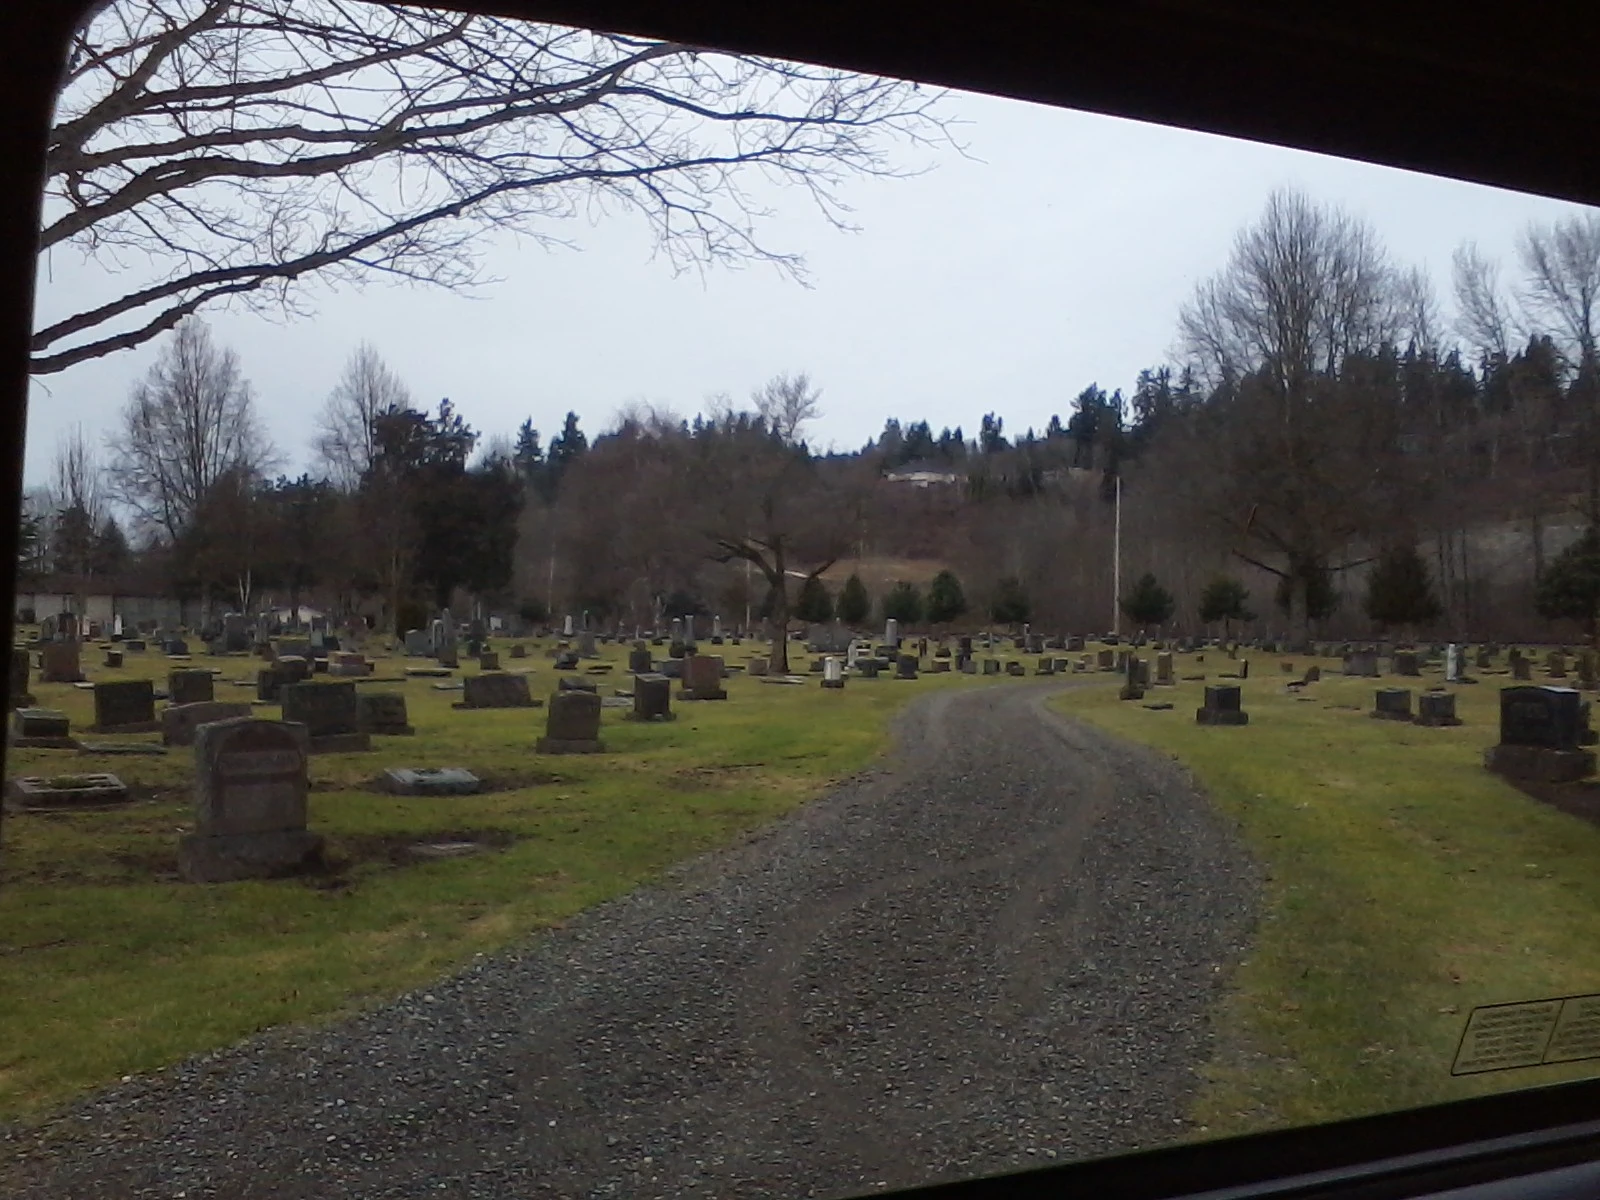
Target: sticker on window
x,y
1499,1037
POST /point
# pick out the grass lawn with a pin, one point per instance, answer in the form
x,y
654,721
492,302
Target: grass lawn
x,y
112,966
1405,885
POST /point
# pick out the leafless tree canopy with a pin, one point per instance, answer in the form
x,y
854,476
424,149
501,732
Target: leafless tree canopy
x,y
76,479
786,403
235,147
1482,317
1561,283
344,442
189,423
1304,287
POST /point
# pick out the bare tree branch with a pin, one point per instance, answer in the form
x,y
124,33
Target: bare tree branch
x,y
237,147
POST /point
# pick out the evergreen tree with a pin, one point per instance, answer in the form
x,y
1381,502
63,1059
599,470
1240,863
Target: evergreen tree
x,y
903,604
1569,589
111,553
1399,590
1322,601
855,605
1225,600
1149,603
946,600
1010,606
814,605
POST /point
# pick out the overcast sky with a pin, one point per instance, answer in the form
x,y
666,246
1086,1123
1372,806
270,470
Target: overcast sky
x,y
1054,256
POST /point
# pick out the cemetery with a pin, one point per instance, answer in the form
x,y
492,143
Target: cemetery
x,y
427,814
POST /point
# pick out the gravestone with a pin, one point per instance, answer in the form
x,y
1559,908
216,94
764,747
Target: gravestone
x,y
1436,709
113,659
906,666
347,663
190,687
271,681
1521,668
416,643
702,678
250,803
125,707
40,723
1222,706
430,781
1313,674
1392,704
891,633
1045,666
17,694
518,650
1584,664
330,713
383,713
1363,663
1541,734
1132,688
652,697
566,625
573,725
1452,663
1106,660
1485,660
992,666
967,666
1556,665
833,672
1015,669
1164,669
488,661
640,662
586,646
59,662
446,652
1405,662
179,721
755,667
497,689
868,668
293,647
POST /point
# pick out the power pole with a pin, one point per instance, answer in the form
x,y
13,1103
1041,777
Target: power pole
x,y
1116,563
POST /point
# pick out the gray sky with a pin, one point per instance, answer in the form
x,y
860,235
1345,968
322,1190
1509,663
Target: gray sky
x,y
1055,256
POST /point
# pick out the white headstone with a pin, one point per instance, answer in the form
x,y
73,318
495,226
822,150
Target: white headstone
x,y
891,632
566,626
716,627
831,670
1452,663
116,624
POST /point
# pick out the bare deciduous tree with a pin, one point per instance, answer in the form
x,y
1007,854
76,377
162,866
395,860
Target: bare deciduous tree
x,y
345,442
1561,284
76,479
1306,290
240,146
191,421
1304,287
1482,314
786,402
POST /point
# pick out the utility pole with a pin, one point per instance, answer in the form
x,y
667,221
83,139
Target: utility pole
x,y
1116,563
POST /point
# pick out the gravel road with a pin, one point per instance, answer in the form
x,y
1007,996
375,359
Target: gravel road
x,y
997,950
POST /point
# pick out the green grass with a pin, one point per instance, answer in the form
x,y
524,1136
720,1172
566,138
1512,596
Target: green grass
x,y
112,966
1405,884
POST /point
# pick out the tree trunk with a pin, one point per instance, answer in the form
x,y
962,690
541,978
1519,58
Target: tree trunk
x,y
1299,610
779,662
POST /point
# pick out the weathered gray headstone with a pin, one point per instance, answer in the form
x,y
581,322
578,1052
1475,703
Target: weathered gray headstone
x,y
41,723
573,724
1222,706
178,721
250,803
1392,704
60,662
431,781
331,714
702,678
1437,709
652,697
125,707
383,713
190,687
496,689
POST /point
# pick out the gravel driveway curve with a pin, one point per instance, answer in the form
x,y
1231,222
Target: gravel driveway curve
x,y
996,950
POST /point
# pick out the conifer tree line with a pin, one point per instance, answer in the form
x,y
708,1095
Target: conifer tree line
x,y
1336,448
